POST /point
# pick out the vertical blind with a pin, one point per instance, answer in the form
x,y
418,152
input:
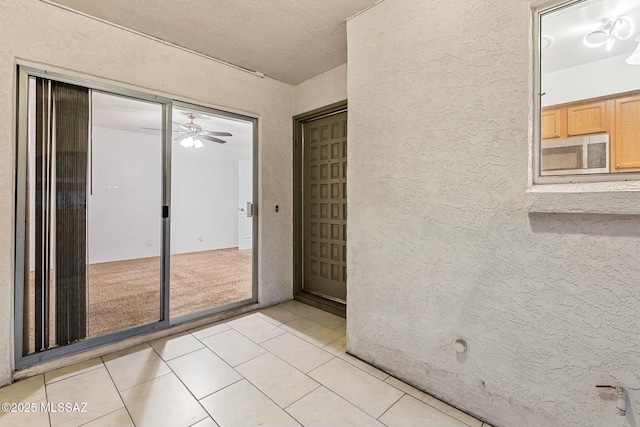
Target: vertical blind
x,y
59,224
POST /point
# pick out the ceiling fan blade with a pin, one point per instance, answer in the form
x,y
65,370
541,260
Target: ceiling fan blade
x,y
183,127
217,133
211,138
158,129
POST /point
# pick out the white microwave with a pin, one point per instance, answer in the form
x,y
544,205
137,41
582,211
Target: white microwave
x,y
579,155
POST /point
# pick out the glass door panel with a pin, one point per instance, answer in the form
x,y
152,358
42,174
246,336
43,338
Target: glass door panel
x,y
211,223
124,221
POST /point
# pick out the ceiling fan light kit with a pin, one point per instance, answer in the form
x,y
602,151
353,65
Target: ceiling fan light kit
x,y
191,134
189,142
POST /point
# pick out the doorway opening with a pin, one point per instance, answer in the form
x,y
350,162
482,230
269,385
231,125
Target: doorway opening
x,y
320,208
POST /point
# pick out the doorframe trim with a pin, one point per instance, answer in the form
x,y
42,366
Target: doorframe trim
x,y
298,152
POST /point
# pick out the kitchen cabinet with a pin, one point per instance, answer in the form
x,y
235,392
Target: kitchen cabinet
x,y
587,118
616,115
554,123
625,138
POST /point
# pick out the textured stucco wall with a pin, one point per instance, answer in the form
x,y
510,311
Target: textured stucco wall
x,y
440,245
41,33
322,90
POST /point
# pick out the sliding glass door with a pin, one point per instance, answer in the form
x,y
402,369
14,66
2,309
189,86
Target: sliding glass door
x,y
127,220
124,223
211,210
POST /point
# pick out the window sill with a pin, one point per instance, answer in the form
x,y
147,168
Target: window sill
x,y
606,198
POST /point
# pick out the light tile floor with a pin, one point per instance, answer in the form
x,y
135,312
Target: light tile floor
x,y
280,366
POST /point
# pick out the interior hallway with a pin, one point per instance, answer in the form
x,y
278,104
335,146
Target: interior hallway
x,y
281,366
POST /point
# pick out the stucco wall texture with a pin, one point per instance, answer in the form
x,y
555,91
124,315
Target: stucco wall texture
x,y
322,90
47,36
440,245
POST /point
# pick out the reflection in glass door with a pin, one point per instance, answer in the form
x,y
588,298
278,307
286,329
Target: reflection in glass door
x,y
211,211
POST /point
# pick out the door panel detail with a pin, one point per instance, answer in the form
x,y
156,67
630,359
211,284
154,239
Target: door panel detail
x,y
325,206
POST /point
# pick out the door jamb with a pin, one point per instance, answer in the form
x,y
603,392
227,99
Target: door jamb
x,y
298,152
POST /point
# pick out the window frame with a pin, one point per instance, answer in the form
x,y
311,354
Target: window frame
x,y
608,181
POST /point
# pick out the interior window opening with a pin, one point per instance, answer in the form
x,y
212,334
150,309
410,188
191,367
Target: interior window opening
x,y
589,90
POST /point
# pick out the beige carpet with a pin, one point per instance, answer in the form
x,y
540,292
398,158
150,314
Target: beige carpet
x,y
124,294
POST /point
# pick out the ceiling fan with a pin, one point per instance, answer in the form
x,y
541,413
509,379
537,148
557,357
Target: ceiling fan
x,y
191,133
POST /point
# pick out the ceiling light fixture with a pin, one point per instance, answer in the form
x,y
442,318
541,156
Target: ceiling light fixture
x,y
190,142
192,133
634,58
611,30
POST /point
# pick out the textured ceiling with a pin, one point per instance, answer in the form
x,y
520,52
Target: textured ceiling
x,y
288,40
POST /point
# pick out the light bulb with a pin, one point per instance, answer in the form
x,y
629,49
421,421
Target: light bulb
x,y
184,143
198,144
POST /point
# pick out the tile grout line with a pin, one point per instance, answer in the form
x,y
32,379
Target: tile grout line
x,y
46,397
392,405
188,352
208,416
353,404
182,382
270,319
431,406
199,340
215,333
242,377
302,397
302,372
279,358
256,342
287,363
227,386
357,367
221,358
345,360
144,382
321,365
118,391
372,376
253,342
272,401
102,416
310,342
72,375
